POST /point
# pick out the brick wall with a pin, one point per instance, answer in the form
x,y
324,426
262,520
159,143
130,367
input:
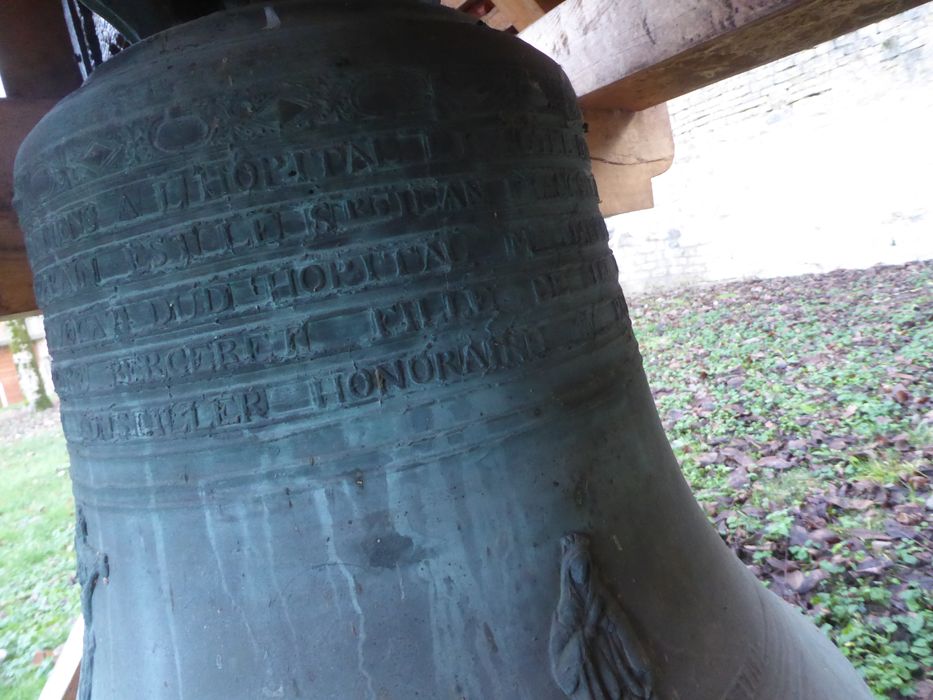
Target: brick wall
x,y
818,161
11,388
9,380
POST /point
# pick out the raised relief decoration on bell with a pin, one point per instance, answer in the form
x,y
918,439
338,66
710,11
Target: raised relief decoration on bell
x,y
595,653
93,569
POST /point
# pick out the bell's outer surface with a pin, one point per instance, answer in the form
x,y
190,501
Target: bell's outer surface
x,y
342,356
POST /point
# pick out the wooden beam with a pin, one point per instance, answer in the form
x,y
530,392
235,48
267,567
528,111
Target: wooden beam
x,y
36,56
634,55
505,13
627,150
17,118
16,294
37,67
525,12
497,19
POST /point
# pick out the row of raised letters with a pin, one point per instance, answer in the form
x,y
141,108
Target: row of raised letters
x,y
253,291
528,141
282,285
174,250
232,351
509,350
360,384
551,285
577,233
201,243
355,385
265,111
309,223
552,184
176,419
213,182
243,174
432,311
587,324
262,348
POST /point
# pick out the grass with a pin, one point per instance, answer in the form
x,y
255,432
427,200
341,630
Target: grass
x,y
38,597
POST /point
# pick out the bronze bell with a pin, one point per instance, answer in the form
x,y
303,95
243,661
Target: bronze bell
x,y
352,398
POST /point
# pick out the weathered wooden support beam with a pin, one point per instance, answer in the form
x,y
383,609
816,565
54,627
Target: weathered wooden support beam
x,y
505,13
525,12
17,118
62,683
637,55
36,56
16,295
627,150
38,67
497,19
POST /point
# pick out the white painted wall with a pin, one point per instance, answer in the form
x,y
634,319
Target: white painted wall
x,y
820,161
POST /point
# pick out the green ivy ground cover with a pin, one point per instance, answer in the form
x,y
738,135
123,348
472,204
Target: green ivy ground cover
x,y
801,411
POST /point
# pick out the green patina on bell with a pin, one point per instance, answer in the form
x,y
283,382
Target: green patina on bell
x,y
352,397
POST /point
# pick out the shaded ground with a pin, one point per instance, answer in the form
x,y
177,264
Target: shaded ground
x,y
801,411
800,408
17,422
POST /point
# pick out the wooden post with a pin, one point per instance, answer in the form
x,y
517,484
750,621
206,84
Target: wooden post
x,y
62,683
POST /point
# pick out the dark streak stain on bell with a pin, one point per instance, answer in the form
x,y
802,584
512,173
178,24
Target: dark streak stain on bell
x,y
343,357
